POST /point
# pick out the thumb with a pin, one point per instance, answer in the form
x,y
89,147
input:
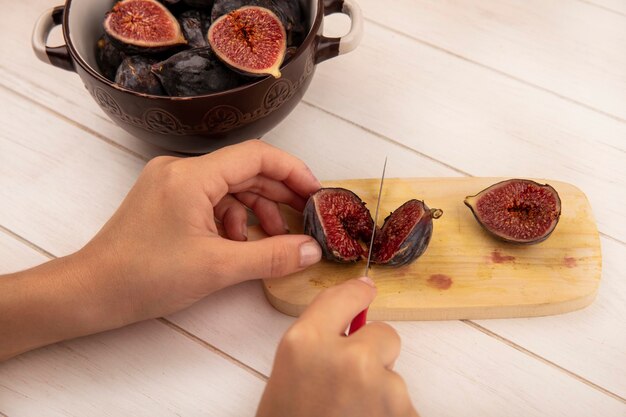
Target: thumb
x,y
273,257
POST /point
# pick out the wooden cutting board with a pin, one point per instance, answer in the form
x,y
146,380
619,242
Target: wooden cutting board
x,y
464,273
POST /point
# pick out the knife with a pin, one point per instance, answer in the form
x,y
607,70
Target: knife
x,y
360,319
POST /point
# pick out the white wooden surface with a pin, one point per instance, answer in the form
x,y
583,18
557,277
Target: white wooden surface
x,y
444,88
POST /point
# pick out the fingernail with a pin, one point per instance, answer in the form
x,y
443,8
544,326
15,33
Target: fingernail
x,y
310,253
244,230
368,281
317,182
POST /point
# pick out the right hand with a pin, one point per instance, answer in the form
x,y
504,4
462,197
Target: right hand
x,y
320,372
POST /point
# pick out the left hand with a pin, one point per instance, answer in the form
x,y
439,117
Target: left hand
x,y
162,250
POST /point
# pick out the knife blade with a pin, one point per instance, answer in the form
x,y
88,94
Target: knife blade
x,y
360,319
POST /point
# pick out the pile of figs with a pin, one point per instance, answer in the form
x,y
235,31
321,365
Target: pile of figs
x,y
193,47
516,211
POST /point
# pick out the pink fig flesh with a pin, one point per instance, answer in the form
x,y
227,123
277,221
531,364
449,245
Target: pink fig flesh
x,y
517,210
250,39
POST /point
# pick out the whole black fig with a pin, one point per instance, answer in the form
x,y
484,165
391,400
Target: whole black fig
x,y
199,4
195,72
135,74
517,210
193,23
108,57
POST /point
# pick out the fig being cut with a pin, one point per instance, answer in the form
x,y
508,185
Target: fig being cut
x,y
338,219
405,234
143,26
251,40
517,210
342,225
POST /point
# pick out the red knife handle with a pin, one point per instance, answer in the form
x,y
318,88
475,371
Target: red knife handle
x,y
358,321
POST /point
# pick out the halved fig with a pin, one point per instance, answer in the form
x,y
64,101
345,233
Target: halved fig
x,y
517,210
405,234
338,219
251,40
289,12
143,26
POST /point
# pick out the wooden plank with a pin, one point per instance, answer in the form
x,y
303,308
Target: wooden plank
x,y
55,168
598,332
145,369
79,181
340,165
571,48
62,91
52,163
88,373
16,256
439,360
549,131
617,6
464,273
477,121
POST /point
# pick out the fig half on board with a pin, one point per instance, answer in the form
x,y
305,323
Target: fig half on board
x,y
405,234
517,210
338,220
342,225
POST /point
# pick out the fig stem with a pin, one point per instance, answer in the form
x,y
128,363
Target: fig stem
x,y
274,72
436,213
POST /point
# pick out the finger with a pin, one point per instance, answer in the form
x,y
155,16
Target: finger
x,y
270,189
271,257
234,217
238,163
334,308
267,212
397,395
383,339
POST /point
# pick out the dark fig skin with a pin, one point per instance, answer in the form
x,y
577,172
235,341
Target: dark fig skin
x,y
134,73
192,23
342,225
199,4
108,57
313,226
532,217
414,241
195,72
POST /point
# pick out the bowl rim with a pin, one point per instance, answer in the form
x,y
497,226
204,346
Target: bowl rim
x,y
311,35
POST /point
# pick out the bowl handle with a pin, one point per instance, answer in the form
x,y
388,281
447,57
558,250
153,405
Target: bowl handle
x,y
58,56
331,47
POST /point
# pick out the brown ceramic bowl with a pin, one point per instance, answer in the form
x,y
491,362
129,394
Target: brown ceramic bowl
x,y
201,123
